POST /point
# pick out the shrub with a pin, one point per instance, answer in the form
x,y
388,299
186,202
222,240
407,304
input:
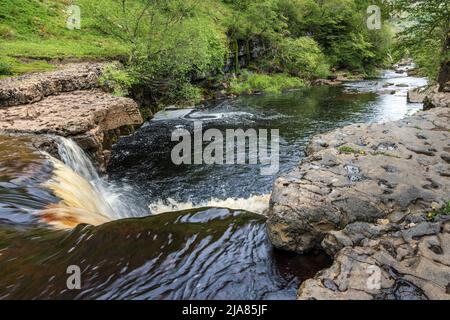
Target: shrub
x,y
253,82
116,80
5,68
350,150
442,211
6,32
302,57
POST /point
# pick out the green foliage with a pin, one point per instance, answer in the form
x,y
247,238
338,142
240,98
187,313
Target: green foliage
x,y
5,68
250,82
301,57
116,80
446,208
6,32
350,150
170,42
424,32
439,211
37,29
170,46
11,66
339,26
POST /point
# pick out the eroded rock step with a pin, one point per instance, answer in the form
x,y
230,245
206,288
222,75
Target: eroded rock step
x,y
363,194
68,103
34,87
84,116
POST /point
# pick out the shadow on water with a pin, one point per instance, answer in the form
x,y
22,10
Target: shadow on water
x,y
198,254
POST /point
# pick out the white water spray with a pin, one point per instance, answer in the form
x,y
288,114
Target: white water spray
x,y
256,204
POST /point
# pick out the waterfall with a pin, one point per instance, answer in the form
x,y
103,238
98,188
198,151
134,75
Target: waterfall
x,y
75,158
84,196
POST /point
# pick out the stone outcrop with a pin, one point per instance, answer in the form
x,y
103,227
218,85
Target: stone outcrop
x,y
362,173
68,103
436,99
418,95
412,263
440,96
34,87
362,194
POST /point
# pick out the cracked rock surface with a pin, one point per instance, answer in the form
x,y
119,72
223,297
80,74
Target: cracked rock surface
x,y
409,264
34,87
362,194
70,114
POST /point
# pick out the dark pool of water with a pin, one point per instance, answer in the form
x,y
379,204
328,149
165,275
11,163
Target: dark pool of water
x,y
199,254
144,160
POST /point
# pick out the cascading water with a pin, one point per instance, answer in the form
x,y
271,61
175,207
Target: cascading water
x,y
74,157
85,196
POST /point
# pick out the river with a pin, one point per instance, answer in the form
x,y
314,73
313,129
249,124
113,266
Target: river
x,y
191,231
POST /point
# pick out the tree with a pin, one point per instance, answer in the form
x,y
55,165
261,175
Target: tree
x,y
169,42
425,28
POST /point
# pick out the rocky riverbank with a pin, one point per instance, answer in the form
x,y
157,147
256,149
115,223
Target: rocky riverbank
x,y
371,195
69,103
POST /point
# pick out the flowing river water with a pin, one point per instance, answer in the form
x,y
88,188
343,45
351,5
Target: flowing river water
x,y
154,230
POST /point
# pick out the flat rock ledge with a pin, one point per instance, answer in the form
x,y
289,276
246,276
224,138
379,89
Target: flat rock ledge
x,y
34,87
363,194
67,103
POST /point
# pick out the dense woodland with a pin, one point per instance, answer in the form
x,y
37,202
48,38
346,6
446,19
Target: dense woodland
x,y
173,50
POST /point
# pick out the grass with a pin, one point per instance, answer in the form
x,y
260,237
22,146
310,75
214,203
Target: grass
x,y
350,150
34,29
11,66
442,211
89,47
5,68
253,82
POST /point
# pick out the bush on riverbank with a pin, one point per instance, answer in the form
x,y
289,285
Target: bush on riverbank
x,y
424,33
250,82
5,69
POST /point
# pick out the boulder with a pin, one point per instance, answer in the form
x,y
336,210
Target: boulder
x,y
85,116
418,95
436,99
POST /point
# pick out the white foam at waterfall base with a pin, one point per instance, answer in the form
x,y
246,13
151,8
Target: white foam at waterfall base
x,y
255,204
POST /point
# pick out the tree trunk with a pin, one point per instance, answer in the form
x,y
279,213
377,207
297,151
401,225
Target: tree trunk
x,y
444,74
